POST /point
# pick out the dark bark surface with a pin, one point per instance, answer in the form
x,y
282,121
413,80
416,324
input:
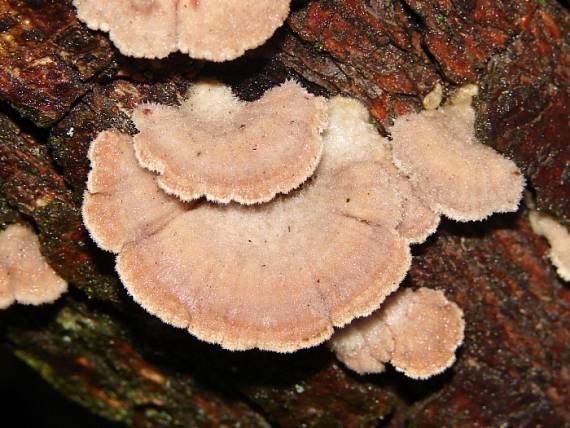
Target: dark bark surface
x,y
513,368
47,58
100,349
525,105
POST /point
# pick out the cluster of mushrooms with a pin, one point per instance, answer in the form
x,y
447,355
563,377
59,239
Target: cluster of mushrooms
x,y
269,224
282,223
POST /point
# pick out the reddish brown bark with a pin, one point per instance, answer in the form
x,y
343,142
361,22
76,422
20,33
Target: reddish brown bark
x,y
47,58
525,105
107,353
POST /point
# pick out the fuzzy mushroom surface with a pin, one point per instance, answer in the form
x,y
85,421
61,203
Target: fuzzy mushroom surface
x,y
215,145
116,185
354,138
416,331
215,30
453,173
276,276
25,276
559,239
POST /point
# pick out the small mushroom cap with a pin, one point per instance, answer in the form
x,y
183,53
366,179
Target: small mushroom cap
x,y
216,30
221,30
276,276
25,276
416,331
217,146
453,173
138,28
427,329
559,239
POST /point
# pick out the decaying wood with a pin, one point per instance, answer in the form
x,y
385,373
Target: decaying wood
x,y
47,58
97,347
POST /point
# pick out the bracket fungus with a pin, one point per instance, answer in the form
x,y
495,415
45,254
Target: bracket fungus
x,y
276,276
454,174
217,146
559,239
215,30
282,273
416,331
25,276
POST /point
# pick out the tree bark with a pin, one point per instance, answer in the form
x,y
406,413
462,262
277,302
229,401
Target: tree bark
x,y
61,84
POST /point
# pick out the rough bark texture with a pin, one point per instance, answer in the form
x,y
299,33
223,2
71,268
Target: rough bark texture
x,y
103,351
47,58
525,105
513,367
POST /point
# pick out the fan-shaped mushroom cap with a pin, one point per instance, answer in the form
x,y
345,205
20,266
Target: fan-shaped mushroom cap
x,y
216,30
228,150
454,174
559,239
416,331
277,276
25,276
427,330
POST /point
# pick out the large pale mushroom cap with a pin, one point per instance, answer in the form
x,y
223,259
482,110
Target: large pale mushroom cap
x,y
416,331
559,239
453,173
217,146
216,30
25,276
277,276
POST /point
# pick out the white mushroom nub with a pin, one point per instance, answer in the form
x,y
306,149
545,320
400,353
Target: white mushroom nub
x,y
559,239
